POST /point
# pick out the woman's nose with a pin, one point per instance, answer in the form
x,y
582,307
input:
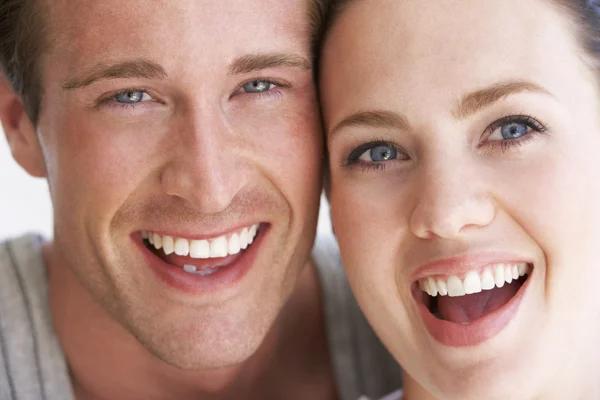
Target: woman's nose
x,y
451,200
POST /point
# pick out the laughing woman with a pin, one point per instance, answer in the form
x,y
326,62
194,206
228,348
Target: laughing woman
x,y
465,189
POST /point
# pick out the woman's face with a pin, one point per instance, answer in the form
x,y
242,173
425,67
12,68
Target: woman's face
x,y
464,139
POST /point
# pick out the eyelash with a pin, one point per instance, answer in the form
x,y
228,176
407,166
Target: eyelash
x,y
507,144
536,128
353,159
110,99
111,102
276,91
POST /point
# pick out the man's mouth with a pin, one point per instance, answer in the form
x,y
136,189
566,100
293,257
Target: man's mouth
x,y
479,292
202,257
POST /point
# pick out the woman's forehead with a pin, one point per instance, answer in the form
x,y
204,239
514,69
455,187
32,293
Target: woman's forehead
x,y
441,51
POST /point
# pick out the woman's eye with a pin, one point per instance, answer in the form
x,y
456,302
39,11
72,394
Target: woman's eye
x,y
258,86
379,153
132,97
509,131
514,130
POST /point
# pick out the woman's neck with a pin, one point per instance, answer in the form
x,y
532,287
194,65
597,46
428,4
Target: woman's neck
x,y
414,391
579,380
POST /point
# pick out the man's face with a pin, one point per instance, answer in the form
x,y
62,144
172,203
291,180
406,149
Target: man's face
x,y
191,120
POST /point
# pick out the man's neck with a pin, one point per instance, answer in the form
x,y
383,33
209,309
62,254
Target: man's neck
x,y
106,361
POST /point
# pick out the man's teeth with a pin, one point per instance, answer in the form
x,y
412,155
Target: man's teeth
x,y
474,281
181,247
218,247
203,272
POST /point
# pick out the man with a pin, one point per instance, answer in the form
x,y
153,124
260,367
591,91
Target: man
x,y
182,148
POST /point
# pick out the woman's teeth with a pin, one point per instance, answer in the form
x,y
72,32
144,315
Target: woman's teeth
x,y
218,247
474,281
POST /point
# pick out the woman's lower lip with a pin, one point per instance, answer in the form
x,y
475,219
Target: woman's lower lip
x,y
477,332
194,284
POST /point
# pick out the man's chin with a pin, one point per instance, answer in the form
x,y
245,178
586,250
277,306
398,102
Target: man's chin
x,y
190,331
203,339
192,356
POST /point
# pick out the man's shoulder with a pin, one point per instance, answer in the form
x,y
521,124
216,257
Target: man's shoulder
x,y
22,270
15,250
31,362
21,264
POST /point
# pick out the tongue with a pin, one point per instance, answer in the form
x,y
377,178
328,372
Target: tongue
x,y
466,309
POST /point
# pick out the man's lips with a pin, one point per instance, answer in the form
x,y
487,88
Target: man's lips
x,y
215,247
199,264
209,270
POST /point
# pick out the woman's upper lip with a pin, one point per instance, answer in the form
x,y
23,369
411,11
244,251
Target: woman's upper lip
x,y
465,262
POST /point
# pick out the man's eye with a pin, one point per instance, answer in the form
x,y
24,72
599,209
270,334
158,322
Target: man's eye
x,y
132,97
379,153
258,86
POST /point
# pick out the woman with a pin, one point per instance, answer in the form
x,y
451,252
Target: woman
x,y
465,189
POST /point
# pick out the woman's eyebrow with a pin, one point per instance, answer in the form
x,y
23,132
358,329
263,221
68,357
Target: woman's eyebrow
x,y
373,119
482,98
468,105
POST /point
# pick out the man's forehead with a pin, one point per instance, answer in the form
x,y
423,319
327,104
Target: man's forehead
x,y
89,31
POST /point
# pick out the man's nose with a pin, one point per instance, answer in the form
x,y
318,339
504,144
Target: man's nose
x,y
451,201
205,169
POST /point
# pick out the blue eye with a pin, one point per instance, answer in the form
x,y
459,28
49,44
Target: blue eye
x,y
379,153
513,128
258,86
132,97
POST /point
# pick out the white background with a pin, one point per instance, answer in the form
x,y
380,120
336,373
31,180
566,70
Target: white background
x,y
24,201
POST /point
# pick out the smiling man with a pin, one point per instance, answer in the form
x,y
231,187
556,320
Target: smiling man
x,y
183,151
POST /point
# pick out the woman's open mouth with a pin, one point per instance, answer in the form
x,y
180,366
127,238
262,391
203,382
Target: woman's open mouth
x,y
467,310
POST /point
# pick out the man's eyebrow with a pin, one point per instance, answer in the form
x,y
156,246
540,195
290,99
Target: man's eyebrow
x,y
482,98
255,62
144,69
373,119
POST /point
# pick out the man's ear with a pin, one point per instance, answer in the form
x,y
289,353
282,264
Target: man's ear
x,y
20,131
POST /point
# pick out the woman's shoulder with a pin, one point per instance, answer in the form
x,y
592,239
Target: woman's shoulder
x,y
397,395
